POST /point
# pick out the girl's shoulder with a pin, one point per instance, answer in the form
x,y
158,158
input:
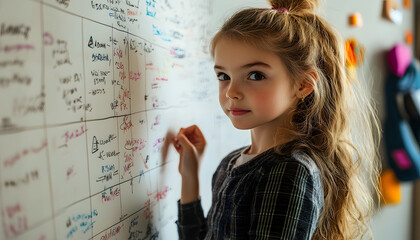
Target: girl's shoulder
x,y
297,163
297,159
265,161
306,160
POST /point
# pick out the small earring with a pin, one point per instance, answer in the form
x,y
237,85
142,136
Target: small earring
x,y
303,98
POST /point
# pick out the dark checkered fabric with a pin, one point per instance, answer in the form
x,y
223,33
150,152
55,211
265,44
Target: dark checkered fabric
x,y
269,197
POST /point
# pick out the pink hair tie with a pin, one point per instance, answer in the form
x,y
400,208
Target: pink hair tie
x,y
281,10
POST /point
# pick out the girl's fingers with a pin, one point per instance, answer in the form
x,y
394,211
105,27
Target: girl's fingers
x,y
198,132
194,134
190,138
176,145
184,141
190,131
199,135
174,142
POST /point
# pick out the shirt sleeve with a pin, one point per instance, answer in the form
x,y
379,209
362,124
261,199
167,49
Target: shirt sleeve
x,y
283,206
192,224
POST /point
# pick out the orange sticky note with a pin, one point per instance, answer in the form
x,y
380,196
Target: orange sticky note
x,y
354,53
356,20
390,187
407,4
409,37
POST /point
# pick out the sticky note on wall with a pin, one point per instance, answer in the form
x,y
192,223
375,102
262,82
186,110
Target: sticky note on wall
x,y
356,20
407,4
390,187
391,12
409,37
354,53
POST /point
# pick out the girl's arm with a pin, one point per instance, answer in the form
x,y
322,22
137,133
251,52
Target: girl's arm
x,y
190,144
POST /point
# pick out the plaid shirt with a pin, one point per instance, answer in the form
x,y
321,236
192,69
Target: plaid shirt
x,y
269,197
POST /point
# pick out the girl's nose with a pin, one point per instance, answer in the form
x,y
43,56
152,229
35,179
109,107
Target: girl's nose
x,y
234,90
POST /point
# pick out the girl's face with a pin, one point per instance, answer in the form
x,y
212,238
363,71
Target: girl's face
x,y
254,87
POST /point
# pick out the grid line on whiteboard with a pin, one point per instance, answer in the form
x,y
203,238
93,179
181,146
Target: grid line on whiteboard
x,y
45,125
84,119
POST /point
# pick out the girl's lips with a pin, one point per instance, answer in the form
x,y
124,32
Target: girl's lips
x,y
237,111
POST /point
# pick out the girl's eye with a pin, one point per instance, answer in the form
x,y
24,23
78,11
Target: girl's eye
x,y
223,77
256,76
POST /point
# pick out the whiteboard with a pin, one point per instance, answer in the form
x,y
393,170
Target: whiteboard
x,y
91,91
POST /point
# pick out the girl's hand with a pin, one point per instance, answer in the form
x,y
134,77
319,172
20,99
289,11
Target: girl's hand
x,y
190,144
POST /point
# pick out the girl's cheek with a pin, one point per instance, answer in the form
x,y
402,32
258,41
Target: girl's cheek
x,y
263,99
270,101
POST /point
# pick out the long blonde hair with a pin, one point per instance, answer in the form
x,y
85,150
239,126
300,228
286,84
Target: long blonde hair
x,y
336,124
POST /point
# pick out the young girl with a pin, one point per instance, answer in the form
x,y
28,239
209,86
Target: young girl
x,y
313,159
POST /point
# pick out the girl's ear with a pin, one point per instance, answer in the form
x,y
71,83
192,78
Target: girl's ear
x,y
305,87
